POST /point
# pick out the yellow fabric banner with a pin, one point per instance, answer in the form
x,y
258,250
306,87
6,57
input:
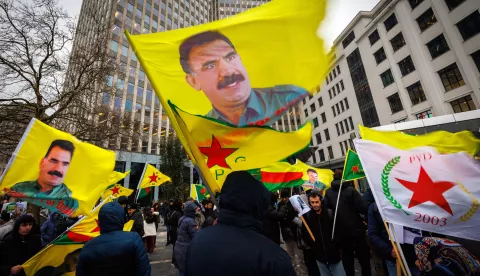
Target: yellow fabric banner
x,y
246,69
116,191
443,141
152,177
54,170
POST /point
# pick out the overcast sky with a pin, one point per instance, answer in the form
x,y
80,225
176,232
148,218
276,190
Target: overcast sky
x,y
339,14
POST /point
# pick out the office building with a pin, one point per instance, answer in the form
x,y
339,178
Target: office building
x,y
404,60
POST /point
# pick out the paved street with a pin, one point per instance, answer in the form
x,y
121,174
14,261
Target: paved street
x,y
161,258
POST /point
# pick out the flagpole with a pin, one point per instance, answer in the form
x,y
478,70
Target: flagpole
x,y
397,248
140,182
336,208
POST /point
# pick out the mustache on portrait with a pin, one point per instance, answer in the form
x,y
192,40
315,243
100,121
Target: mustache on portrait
x,y
55,173
228,80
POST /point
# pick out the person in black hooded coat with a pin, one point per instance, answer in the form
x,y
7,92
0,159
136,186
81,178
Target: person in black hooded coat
x,y
18,246
271,223
236,242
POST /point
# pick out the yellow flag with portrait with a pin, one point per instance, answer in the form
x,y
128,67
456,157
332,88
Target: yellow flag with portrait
x,y
55,170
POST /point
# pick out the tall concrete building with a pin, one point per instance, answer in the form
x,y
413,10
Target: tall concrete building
x,y
134,100
403,61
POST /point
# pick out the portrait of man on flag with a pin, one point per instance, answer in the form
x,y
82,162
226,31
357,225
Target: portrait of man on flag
x,y
213,65
54,170
49,184
313,183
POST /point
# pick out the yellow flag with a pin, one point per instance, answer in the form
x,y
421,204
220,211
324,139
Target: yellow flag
x,y
193,191
443,141
152,177
54,170
116,191
114,176
263,60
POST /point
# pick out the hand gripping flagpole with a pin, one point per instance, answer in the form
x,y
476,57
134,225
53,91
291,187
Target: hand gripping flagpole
x,y
140,182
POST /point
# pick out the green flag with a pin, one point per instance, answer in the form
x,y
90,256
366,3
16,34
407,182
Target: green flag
x,y
201,192
352,168
144,192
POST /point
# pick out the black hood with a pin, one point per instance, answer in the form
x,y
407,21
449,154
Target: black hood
x,y
111,217
20,220
244,201
336,184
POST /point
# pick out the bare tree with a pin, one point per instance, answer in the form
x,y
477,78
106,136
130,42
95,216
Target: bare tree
x,y
46,76
173,162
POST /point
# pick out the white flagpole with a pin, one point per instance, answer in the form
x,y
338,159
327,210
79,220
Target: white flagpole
x,y
336,208
140,182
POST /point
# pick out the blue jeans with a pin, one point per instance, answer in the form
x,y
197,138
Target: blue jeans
x,y
392,267
331,269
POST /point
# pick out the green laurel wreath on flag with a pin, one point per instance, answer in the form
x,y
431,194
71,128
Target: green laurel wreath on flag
x,y
386,189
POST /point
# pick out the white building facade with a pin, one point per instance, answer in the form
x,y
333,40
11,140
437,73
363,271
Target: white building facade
x,y
405,60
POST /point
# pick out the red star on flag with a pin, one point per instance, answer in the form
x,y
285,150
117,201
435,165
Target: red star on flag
x,y
203,191
216,154
355,169
426,190
153,178
115,190
97,229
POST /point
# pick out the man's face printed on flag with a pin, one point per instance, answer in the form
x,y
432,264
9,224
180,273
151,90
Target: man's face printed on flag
x,y
312,176
218,71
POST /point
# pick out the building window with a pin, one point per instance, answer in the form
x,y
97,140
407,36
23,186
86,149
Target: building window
x,y
424,115
426,20
338,69
330,153
338,130
397,42
470,25
321,155
113,46
320,101
326,78
341,148
452,4
395,103
333,89
373,37
346,125
390,22
350,37
312,107
387,78
330,75
333,110
342,106
314,159
351,122
315,122
318,136
415,91
327,134
338,88
463,104
324,118
341,84
380,55
330,94
437,46
338,108
406,66
346,103
476,59
451,77
341,127
306,112
334,73
414,3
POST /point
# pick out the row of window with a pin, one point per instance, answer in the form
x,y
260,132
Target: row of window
x,y
336,89
340,105
332,75
345,145
340,126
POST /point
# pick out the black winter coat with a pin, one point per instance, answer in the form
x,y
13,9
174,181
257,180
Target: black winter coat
x,y
289,229
377,234
324,249
115,252
271,227
235,242
15,250
137,223
349,222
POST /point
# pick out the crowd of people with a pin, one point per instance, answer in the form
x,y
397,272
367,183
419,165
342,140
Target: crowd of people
x,y
244,236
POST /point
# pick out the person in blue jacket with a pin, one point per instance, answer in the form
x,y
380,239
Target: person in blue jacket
x,y
187,227
236,242
114,252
